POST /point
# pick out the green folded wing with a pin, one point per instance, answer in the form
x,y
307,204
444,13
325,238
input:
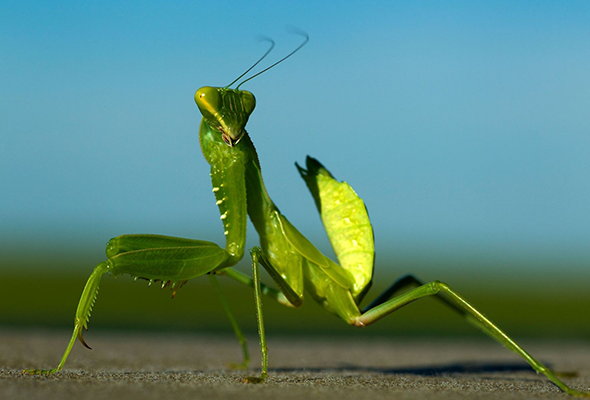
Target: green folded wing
x,y
346,221
311,253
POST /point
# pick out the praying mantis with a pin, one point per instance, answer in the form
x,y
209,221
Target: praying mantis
x,y
291,260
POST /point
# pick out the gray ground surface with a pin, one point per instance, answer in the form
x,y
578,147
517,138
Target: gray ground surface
x,y
167,366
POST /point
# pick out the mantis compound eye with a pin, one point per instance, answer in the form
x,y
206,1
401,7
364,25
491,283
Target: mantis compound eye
x,y
209,101
248,100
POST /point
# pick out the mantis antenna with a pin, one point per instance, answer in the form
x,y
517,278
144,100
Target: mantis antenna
x,y
272,45
278,62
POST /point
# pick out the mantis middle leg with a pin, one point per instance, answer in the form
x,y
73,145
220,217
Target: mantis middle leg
x,y
285,296
234,323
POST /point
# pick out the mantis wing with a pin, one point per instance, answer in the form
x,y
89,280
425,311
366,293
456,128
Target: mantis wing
x,y
346,221
311,253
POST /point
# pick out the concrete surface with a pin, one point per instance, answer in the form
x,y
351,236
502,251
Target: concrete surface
x,y
169,366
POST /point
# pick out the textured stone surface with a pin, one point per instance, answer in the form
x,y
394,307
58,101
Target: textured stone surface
x,y
168,366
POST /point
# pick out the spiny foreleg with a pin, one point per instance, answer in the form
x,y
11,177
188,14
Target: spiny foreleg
x,y
170,260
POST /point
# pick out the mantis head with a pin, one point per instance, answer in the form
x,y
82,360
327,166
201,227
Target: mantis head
x,y
226,110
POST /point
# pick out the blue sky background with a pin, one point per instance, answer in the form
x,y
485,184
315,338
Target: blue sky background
x,y
463,125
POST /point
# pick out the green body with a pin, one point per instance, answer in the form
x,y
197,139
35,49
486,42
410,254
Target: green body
x,y
238,186
293,262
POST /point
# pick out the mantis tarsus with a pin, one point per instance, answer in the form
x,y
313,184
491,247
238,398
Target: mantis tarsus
x,y
291,260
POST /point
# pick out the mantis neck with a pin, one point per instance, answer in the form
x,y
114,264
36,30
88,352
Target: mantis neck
x,y
239,189
228,166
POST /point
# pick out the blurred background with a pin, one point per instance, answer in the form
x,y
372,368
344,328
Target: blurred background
x,y
463,125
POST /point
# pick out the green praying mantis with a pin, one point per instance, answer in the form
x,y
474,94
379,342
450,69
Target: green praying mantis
x,y
291,260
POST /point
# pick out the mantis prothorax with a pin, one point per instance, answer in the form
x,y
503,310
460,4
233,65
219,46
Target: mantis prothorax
x,y
292,261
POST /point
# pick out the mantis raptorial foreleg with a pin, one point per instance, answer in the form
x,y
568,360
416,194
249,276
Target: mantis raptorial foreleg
x,y
82,316
165,259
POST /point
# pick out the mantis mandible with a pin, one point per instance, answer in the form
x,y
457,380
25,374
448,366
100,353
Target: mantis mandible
x,y
291,260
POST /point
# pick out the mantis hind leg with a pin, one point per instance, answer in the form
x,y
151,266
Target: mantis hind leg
x,y
406,282
454,300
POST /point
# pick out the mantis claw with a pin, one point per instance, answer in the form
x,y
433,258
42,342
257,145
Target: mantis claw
x,y
81,339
